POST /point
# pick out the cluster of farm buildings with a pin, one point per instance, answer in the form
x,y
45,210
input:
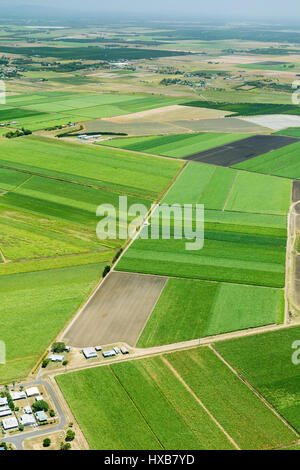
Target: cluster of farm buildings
x,y
28,417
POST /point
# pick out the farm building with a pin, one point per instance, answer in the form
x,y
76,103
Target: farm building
x,y
3,401
56,357
5,411
31,392
17,395
110,353
124,350
89,353
10,423
27,410
39,398
41,416
27,420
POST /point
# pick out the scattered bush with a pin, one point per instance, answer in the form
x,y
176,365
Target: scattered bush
x,y
70,436
40,405
58,347
106,270
46,442
45,363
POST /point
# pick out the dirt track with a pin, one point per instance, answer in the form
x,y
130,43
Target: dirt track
x,y
117,312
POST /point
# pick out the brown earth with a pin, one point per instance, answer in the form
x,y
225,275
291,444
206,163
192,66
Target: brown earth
x,y
117,312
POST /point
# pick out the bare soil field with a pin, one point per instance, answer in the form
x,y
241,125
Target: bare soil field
x,y
276,122
145,128
232,125
133,129
242,150
243,59
170,114
117,312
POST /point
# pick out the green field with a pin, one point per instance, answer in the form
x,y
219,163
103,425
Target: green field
x,y
175,145
34,307
91,53
287,67
282,162
266,362
230,190
247,109
9,180
143,405
47,109
131,174
259,193
233,251
290,131
60,217
235,406
190,309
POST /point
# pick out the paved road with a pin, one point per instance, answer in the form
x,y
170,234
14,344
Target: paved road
x,y
19,439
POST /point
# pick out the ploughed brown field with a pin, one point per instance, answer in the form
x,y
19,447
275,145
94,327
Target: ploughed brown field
x,y
241,150
117,312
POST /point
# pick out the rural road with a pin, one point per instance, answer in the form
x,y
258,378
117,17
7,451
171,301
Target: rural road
x,y
19,439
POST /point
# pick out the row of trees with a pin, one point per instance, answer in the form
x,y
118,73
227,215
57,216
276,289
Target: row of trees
x,y
17,133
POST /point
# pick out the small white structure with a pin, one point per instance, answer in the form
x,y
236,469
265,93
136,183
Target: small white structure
x,y
27,420
10,423
39,398
41,416
3,401
17,395
98,348
27,410
56,357
89,353
5,411
32,391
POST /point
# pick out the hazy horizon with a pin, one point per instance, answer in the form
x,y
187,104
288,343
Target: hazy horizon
x,y
272,10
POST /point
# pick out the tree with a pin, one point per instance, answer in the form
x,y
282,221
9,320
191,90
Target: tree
x,y
46,442
52,413
106,270
58,347
4,445
65,363
45,363
70,436
66,446
40,405
21,427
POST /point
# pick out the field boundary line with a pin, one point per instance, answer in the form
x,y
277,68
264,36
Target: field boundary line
x,y
136,406
256,392
200,279
87,185
197,399
150,314
21,184
206,184
230,191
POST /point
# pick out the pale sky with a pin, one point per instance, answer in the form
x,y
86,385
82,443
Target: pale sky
x,y
288,9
